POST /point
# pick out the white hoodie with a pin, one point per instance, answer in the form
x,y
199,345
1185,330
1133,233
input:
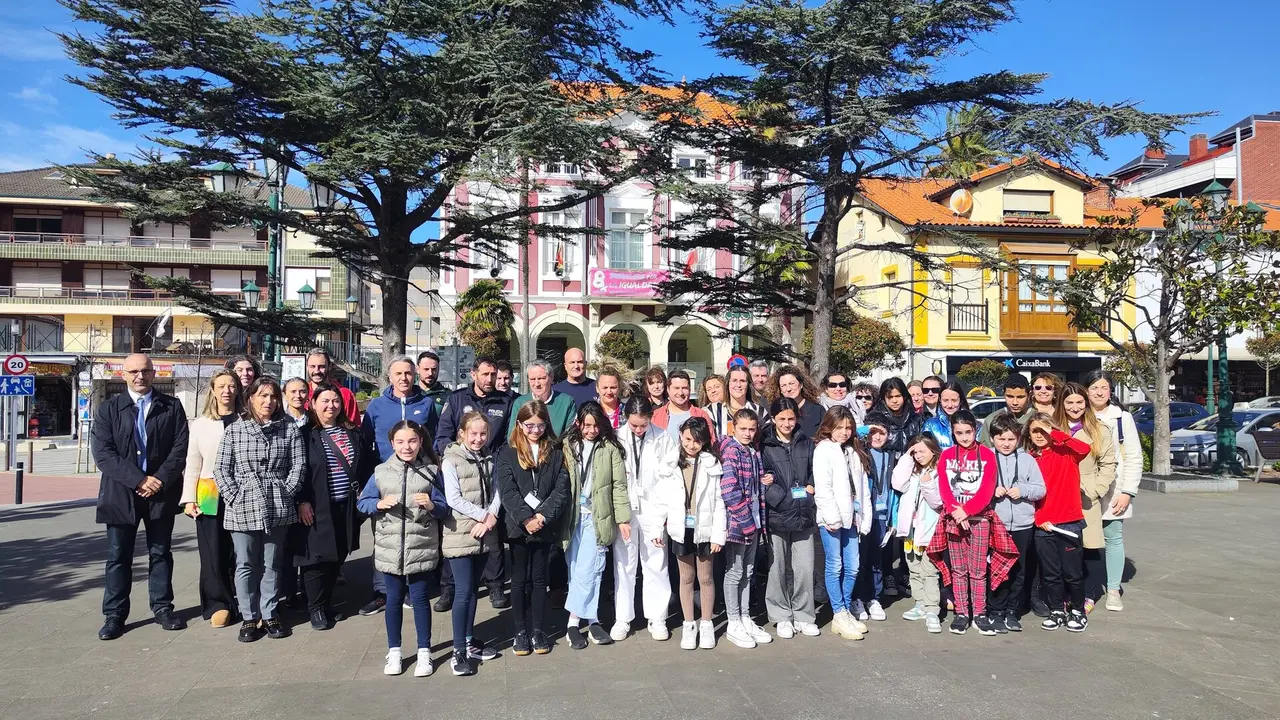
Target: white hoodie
x,y
711,522
1129,470
658,456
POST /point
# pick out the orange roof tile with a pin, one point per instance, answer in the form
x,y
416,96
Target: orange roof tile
x,y
981,175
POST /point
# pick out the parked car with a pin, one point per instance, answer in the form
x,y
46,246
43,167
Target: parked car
x,y
1197,444
1181,414
1270,401
986,406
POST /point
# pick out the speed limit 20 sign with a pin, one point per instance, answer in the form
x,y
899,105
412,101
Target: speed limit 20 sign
x,y
15,365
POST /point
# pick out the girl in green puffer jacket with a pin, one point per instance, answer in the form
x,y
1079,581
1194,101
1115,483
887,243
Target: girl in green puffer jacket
x,y
600,508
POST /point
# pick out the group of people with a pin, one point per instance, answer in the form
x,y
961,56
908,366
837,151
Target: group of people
x,y
907,493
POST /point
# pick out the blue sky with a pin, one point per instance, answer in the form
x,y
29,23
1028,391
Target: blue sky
x,y
1174,55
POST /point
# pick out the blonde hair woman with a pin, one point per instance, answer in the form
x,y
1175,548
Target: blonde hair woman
x,y
201,501
1097,476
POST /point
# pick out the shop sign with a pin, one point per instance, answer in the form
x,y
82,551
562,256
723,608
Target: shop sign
x,y
115,371
54,369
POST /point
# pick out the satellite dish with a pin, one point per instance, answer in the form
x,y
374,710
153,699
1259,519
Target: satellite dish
x,y
960,202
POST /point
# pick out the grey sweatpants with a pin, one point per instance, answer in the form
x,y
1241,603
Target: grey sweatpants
x,y
739,568
789,592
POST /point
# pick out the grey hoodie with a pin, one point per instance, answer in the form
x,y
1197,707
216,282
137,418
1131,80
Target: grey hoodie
x,y
1021,469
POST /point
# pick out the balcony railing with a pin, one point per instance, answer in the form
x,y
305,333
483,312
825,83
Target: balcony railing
x,y
105,294
132,241
967,317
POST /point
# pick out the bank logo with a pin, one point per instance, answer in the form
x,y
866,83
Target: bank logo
x,y
1009,363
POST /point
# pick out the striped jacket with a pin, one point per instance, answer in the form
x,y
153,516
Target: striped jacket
x,y
740,488
259,470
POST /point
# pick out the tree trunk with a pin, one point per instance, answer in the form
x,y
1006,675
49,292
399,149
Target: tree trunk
x,y
1161,460
395,307
825,288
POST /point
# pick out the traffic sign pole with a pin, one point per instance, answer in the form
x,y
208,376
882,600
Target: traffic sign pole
x,y
13,365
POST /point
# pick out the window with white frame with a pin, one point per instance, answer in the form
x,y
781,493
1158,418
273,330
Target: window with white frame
x,y
225,281
626,240
751,173
966,285
1028,203
559,251
561,167
703,259
695,164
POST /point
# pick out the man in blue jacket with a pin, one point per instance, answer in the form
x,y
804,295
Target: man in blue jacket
x,y
483,397
402,400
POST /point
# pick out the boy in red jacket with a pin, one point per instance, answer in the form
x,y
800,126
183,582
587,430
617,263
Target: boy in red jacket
x,y
1059,521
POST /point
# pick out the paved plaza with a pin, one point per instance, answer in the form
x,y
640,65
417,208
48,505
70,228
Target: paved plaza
x,y
1197,640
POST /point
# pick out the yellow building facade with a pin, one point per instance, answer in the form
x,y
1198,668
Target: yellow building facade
x,y
921,251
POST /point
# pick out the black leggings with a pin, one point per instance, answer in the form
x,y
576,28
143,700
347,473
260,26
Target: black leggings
x,y
529,584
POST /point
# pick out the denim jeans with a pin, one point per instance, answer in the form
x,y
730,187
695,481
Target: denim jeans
x,y
841,571
1113,534
416,586
586,561
119,572
259,558
871,578
466,578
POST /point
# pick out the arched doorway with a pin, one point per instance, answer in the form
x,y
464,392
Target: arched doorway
x,y
690,349
554,340
636,333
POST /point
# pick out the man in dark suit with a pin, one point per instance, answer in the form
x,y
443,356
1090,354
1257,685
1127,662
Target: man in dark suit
x,y
139,441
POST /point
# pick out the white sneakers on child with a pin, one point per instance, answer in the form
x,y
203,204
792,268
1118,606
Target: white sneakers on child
x,y
689,636
738,635
1114,604
875,611
915,613
423,668
619,631
846,626
756,632
658,630
932,623
786,630
707,635
808,629
395,663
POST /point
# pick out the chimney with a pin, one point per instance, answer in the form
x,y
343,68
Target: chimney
x,y
1154,153
1199,147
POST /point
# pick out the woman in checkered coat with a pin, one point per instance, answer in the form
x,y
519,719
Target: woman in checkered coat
x,y
260,466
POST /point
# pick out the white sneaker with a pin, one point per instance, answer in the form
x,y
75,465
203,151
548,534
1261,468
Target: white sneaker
x,y
737,635
407,604
689,636
619,631
933,624
658,630
707,635
808,629
855,623
786,630
395,663
858,611
757,633
423,668
846,626
1114,603
875,611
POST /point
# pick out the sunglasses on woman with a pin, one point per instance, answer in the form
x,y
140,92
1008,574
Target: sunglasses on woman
x,y
932,391
862,397
842,384
1041,387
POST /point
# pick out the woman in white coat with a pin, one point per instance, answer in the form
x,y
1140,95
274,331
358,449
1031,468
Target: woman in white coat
x,y
840,489
650,459
697,527
1118,502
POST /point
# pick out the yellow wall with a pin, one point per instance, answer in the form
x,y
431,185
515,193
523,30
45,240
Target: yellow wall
x,y
922,317
988,200
76,334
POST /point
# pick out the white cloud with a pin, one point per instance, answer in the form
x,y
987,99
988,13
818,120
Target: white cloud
x,y
36,99
32,44
32,147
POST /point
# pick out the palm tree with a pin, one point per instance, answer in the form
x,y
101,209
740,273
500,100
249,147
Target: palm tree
x,y
485,318
967,148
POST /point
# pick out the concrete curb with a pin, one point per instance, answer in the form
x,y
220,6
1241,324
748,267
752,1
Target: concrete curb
x,y
1177,483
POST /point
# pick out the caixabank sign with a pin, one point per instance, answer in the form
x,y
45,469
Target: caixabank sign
x,y
1070,367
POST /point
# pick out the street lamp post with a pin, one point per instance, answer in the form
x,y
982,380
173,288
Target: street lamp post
x,y
417,331
307,297
1227,462
353,305
276,174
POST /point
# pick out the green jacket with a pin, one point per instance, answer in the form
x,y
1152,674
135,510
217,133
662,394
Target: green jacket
x,y
562,410
610,503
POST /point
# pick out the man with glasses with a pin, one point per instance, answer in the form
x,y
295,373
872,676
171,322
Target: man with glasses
x,y
1017,402
139,441
932,389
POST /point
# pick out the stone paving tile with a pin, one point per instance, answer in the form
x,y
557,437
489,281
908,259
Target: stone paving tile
x,y
1195,641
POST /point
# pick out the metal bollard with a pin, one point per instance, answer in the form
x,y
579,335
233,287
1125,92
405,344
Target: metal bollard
x,y
17,485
